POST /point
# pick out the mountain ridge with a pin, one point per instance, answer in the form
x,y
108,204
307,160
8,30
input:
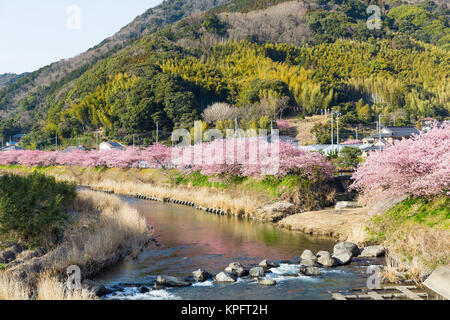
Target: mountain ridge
x,y
148,22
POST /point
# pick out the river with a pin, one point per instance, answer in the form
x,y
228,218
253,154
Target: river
x,y
188,239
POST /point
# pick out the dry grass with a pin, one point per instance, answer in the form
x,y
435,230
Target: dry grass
x,y
11,289
417,250
346,225
241,205
105,230
49,288
303,128
108,230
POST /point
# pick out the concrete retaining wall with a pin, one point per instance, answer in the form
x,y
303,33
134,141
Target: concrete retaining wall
x,y
439,281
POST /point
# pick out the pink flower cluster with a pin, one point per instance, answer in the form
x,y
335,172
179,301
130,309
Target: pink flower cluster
x,y
154,156
252,157
241,157
283,125
419,166
352,141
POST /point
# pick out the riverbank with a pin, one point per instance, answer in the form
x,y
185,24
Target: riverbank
x,y
102,231
241,197
277,202
343,225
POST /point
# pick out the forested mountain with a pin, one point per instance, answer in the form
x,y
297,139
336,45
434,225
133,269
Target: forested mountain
x,y
252,54
32,89
8,78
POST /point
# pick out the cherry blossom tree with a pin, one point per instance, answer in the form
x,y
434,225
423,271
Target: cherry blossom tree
x,y
419,166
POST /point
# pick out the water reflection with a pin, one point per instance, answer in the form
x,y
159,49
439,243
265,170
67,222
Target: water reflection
x,y
190,239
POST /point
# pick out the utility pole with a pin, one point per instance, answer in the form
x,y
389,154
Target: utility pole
x,y
332,129
337,114
133,140
56,140
379,129
157,132
96,140
357,127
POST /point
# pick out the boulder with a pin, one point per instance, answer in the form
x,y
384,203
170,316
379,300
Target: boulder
x,y
308,255
171,281
325,259
225,277
267,264
190,279
235,265
309,263
257,272
241,272
144,289
157,287
347,245
267,282
201,275
309,271
98,289
230,270
373,251
343,256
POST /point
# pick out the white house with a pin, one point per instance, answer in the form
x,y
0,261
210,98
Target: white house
x,y
111,145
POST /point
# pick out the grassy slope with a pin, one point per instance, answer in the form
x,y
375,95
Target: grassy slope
x,y
417,232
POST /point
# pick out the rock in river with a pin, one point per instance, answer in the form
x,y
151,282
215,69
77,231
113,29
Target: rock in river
x,y
225,277
235,265
144,289
241,272
325,259
373,251
267,282
98,289
308,255
201,275
257,272
347,245
267,264
171,281
343,256
309,271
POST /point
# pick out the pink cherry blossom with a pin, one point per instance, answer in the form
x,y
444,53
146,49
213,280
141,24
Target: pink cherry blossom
x,y
419,166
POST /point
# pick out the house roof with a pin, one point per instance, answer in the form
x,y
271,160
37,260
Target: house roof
x,y
113,144
397,132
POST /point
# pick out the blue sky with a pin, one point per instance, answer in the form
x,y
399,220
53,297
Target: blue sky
x,y
36,33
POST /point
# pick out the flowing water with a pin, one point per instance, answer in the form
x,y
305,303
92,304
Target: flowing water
x,y
188,239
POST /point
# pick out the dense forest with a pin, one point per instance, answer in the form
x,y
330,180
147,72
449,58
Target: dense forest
x,y
292,56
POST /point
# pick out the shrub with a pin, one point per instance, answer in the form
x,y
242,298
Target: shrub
x,y
349,157
31,206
